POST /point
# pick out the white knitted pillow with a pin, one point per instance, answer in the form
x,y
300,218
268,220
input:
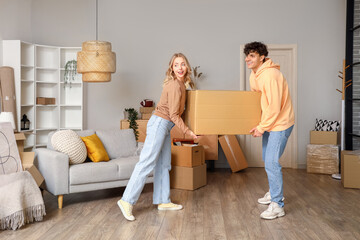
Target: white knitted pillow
x,y
68,142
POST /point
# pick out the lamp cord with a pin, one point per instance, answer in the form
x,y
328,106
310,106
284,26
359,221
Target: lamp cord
x,y
96,20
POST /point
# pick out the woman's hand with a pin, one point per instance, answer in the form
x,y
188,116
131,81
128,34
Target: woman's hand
x,y
192,134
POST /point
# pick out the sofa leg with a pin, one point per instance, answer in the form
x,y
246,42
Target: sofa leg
x,y
60,201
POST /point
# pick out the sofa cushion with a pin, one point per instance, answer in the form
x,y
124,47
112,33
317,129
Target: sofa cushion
x,y
95,148
83,133
118,143
49,145
125,166
68,142
93,173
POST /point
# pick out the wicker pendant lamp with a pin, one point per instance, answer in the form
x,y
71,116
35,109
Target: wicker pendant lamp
x,y
96,61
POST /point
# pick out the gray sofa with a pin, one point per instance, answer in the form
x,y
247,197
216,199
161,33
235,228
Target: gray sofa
x,y
62,178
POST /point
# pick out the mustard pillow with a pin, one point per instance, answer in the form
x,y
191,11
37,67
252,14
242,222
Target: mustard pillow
x,y
95,148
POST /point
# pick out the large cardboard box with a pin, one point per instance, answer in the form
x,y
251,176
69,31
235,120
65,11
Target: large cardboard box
x,y
187,156
188,178
20,141
325,137
142,124
27,160
350,169
222,112
233,152
322,159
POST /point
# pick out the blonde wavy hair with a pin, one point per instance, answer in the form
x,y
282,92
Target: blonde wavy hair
x,y
170,75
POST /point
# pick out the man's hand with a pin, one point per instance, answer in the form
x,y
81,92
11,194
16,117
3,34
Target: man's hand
x,y
255,132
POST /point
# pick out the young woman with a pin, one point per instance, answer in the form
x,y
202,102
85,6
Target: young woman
x,y
156,153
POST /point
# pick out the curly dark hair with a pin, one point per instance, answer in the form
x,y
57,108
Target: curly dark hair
x,y
258,47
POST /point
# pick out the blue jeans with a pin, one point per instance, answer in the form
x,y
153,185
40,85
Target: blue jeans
x,y
273,145
155,155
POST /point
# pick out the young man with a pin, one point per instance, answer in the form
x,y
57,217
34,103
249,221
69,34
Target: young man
x,y
277,121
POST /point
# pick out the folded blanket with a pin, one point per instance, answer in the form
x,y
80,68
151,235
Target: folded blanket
x,y
21,201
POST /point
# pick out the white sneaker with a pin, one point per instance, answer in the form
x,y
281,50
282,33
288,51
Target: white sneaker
x,y
169,206
126,209
273,211
266,199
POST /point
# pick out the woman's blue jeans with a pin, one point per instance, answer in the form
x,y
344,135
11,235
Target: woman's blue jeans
x,y
273,145
155,155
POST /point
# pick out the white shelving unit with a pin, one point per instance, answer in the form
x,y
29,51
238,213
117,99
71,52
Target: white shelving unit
x,y
39,72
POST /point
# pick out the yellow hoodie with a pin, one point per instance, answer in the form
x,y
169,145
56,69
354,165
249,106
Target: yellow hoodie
x,y
277,111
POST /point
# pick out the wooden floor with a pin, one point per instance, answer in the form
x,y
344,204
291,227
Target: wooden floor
x,y
317,207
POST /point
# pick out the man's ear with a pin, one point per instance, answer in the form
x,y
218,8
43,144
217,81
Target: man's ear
x,y
262,58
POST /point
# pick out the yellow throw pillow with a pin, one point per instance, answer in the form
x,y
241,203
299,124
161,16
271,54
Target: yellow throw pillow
x,y
95,148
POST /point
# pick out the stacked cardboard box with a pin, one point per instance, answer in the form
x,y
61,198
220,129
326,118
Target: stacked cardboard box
x,y
323,152
325,137
188,169
142,124
146,112
322,158
350,169
188,178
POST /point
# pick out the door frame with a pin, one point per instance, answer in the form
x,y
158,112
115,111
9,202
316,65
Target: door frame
x,y
293,49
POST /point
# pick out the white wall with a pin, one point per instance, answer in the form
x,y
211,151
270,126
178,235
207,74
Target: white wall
x,y
15,21
144,34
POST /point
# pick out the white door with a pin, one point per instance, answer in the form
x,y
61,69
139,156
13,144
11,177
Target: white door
x,y
286,56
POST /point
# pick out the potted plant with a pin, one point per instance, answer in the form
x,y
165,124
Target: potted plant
x,y
70,72
132,116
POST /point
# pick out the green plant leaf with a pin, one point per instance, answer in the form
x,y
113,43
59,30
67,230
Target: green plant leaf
x,y
133,116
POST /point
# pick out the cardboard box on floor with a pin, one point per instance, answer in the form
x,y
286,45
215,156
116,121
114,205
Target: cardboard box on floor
x,y
20,141
27,161
350,169
323,159
187,156
209,142
233,152
188,178
325,137
222,112
211,146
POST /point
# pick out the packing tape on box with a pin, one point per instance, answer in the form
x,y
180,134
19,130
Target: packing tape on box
x,y
323,151
323,158
228,143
